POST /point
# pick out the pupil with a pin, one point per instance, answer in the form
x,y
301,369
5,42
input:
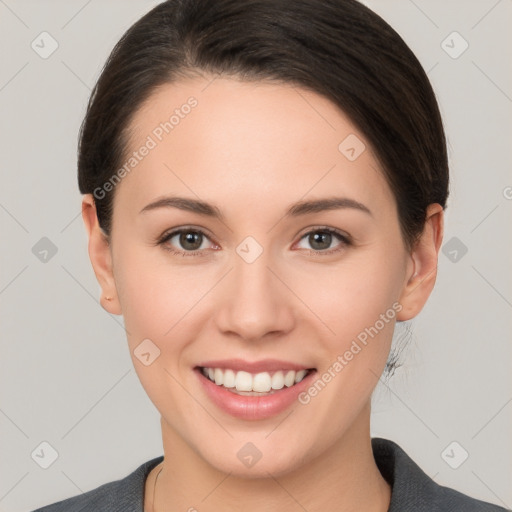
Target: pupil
x,y
190,238
320,237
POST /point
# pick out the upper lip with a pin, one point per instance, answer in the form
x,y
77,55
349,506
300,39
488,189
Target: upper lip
x,y
264,365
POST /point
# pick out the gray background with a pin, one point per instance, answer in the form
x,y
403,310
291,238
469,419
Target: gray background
x,y
66,375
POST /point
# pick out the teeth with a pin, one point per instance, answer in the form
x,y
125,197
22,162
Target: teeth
x,y
289,379
229,380
217,376
261,382
278,380
243,381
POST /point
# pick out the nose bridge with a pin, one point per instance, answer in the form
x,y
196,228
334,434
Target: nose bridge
x,y
256,302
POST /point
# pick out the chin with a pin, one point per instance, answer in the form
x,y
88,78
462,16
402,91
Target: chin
x,y
243,459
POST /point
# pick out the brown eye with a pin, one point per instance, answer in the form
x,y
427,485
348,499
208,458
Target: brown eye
x,y
190,240
185,242
321,240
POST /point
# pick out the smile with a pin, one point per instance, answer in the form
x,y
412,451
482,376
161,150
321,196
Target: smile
x,y
245,383
253,390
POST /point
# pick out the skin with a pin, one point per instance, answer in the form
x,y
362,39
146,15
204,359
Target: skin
x,y
253,149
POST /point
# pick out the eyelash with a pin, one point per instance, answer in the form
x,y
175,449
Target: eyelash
x,y
344,239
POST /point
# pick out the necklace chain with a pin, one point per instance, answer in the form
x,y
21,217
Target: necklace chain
x,y
154,490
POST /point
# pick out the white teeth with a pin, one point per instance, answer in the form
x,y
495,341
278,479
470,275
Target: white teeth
x,y
300,375
261,382
278,380
217,375
243,381
229,379
289,379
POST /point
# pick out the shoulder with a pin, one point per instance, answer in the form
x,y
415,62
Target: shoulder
x,y
124,495
413,489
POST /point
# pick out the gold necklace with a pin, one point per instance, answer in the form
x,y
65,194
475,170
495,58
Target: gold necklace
x,y
154,490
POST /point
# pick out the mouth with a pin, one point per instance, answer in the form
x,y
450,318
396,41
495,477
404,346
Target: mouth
x,y
254,384
253,391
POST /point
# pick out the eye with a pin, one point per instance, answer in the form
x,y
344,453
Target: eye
x,y
190,239
321,239
193,241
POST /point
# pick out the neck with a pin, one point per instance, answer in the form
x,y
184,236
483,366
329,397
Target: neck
x,y
343,478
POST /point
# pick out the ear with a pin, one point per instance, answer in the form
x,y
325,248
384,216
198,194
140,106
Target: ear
x,y
422,266
101,256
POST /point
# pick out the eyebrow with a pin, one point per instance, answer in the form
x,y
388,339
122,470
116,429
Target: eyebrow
x,y
295,210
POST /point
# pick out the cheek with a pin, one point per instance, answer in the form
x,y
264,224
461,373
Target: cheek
x,y
352,297
157,305
358,309
159,298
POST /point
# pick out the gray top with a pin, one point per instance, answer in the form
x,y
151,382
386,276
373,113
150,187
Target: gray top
x,y
412,489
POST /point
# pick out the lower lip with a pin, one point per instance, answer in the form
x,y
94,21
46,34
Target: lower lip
x,y
253,407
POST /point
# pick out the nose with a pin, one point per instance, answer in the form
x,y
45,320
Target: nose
x,y
255,301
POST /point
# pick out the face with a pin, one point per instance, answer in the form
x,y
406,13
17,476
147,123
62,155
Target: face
x,y
253,282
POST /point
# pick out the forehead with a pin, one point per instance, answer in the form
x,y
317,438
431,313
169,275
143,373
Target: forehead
x,y
245,144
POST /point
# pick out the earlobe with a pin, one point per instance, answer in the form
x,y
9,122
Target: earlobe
x,y
422,269
100,256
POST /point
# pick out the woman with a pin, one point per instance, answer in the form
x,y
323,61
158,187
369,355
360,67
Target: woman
x,y
264,185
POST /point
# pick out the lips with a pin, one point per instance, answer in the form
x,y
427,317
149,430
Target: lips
x,y
253,390
265,365
261,382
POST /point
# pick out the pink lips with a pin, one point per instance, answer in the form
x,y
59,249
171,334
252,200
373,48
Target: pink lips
x,y
265,365
253,407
